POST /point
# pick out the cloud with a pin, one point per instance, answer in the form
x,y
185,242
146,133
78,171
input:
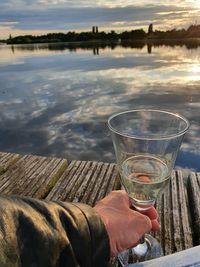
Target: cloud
x,y
59,105
65,15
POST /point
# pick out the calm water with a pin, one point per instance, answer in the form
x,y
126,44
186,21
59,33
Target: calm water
x,y
55,100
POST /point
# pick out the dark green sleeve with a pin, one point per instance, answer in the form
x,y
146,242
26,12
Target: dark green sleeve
x,y
45,234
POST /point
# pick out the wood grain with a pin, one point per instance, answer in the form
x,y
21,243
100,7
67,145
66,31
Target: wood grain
x,y
194,201
176,229
89,181
85,181
31,175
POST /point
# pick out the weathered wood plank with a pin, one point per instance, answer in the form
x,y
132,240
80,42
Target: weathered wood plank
x,y
13,178
7,160
88,182
160,235
176,231
115,263
32,176
64,186
167,227
186,233
99,169
194,201
85,182
111,182
172,206
104,184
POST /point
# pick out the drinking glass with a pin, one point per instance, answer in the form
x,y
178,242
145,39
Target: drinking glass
x,y
146,143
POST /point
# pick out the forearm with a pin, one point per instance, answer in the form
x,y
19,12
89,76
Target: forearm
x,y
51,234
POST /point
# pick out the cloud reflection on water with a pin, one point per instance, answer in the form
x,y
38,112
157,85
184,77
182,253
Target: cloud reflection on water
x,y
57,103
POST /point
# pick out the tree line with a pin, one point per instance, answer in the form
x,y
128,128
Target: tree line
x,y
96,35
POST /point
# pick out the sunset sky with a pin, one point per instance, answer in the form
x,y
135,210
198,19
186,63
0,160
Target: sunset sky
x,y
43,16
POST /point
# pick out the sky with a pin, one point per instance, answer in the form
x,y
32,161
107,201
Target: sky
x,y
20,17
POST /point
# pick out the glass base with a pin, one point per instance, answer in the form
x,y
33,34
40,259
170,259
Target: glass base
x,y
142,205
148,250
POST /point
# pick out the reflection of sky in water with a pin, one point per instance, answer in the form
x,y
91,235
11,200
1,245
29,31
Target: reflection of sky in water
x,y
57,102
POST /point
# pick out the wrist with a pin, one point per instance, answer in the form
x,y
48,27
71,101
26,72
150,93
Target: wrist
x,y
105,219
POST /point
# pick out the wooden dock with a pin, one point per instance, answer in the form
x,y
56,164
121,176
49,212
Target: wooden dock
x,y
88,182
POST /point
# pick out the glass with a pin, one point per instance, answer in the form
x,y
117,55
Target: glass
x,y
146,143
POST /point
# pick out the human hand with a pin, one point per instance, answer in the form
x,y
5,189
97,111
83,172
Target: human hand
x,y
125,226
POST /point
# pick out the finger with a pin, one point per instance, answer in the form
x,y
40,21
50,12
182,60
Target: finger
x,y
119,198
124,196
151,213
142,223
155,225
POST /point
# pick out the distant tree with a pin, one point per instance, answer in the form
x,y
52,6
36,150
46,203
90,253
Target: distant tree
x,y
135,34
150,29
193,31
112,35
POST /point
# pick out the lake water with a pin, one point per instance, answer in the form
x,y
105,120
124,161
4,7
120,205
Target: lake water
x,y
55,99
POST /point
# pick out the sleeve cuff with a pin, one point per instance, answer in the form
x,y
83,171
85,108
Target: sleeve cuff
x,y
100,247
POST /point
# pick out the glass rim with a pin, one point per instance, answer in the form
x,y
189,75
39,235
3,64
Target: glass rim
x,y
170,136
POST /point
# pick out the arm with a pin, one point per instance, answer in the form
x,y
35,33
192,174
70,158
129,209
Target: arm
x,y
45,234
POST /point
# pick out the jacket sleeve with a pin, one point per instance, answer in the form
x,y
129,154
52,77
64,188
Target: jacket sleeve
x,y
46,234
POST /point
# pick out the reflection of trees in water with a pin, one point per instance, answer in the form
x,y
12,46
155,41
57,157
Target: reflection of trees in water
x,y
96,47
93,46
149,48
96,51
188,43
13,48
133,44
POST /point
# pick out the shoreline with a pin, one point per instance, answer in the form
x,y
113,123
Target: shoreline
x,y
146,41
